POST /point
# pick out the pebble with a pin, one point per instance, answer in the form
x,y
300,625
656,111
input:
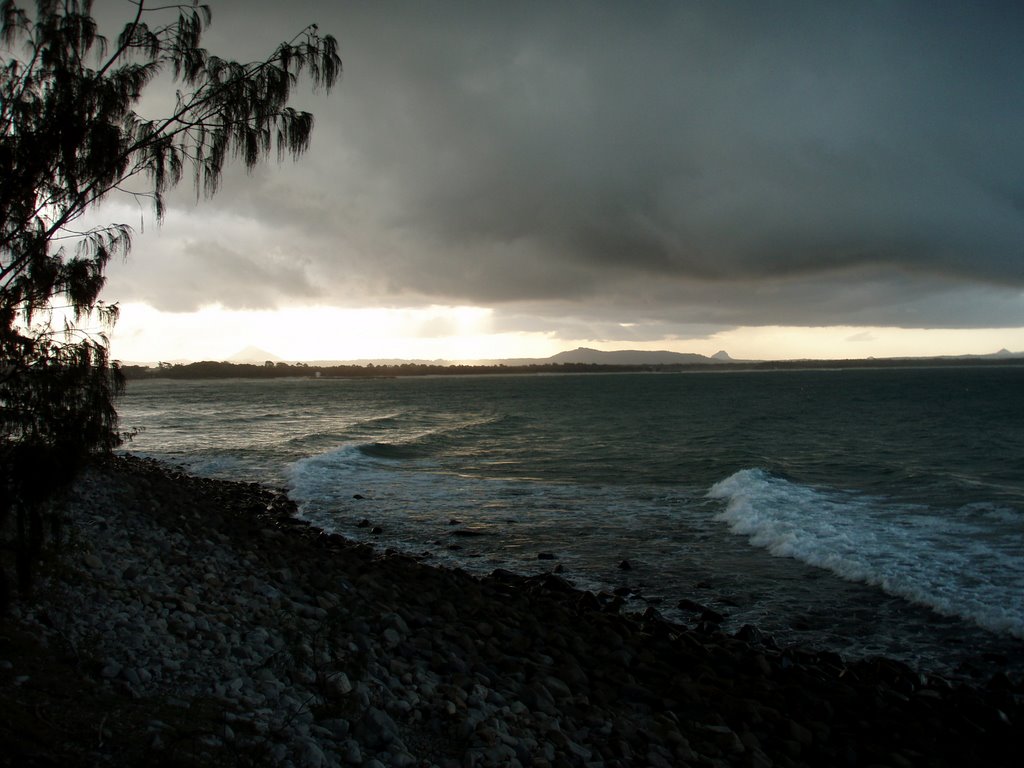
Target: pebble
x,y
310,754
353,755
93,561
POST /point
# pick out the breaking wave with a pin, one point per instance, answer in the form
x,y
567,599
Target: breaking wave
x,y
956,561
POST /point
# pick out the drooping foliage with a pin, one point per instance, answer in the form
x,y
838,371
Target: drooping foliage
x,y
71,133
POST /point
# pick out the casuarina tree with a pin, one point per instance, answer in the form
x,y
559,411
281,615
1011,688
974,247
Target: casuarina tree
x,y
72,133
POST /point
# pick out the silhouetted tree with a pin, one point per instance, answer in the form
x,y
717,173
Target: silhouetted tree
x,y
69,136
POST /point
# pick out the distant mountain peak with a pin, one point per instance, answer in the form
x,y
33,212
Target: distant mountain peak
x,y
253,354
721,355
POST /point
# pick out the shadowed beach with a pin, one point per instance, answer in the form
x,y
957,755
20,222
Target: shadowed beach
x,y
197,621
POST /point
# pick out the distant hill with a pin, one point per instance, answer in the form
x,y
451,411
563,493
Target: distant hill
x,y
586,356
627,357
253,355
1001,354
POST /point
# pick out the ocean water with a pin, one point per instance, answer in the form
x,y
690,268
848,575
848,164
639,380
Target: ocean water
x,y
862,511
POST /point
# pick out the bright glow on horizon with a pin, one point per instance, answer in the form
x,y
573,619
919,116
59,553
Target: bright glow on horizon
x,y
145,335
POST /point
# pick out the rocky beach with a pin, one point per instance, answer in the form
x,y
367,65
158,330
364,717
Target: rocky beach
x,y
190,621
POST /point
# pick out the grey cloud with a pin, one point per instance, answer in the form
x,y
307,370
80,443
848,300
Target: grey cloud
x,y
729,163
591,322
191,273
855,298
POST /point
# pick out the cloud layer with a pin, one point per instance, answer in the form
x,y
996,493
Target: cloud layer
x,y
669,163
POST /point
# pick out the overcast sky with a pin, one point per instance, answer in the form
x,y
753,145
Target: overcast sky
x,y
628,174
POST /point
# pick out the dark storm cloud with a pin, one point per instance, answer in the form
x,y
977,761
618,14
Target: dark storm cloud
x,y
729,163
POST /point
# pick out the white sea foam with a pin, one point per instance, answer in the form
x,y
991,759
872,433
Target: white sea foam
x,y
951,560
226,466
327,480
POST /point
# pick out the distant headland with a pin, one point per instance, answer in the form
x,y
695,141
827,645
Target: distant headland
x,y
580,360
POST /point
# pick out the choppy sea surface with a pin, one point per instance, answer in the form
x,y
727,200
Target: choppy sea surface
x,y
864,511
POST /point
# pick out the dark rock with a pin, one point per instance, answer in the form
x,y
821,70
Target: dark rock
x,y
552,583
611,603
505,576
625,566
690,605
364,523
358,496
376,729
1000,682
748,633
547,556
588,601
708,627
711,617
651,614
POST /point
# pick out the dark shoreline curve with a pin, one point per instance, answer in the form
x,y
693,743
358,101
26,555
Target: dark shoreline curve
x,y
580,683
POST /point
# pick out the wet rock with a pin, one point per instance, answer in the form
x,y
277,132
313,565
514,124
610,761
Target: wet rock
x,y
711,616
339,684
754,636
686,604
310,755
92,561
376,729
470,532
351,753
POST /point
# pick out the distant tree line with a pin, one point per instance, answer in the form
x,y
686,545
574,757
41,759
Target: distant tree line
x,y
208,369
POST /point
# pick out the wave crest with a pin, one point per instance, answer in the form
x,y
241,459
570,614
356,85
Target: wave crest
x,y
926,555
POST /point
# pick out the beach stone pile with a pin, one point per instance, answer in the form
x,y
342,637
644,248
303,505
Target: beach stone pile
x,y
304,649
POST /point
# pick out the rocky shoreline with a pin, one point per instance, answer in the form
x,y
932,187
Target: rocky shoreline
x,y
197,622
